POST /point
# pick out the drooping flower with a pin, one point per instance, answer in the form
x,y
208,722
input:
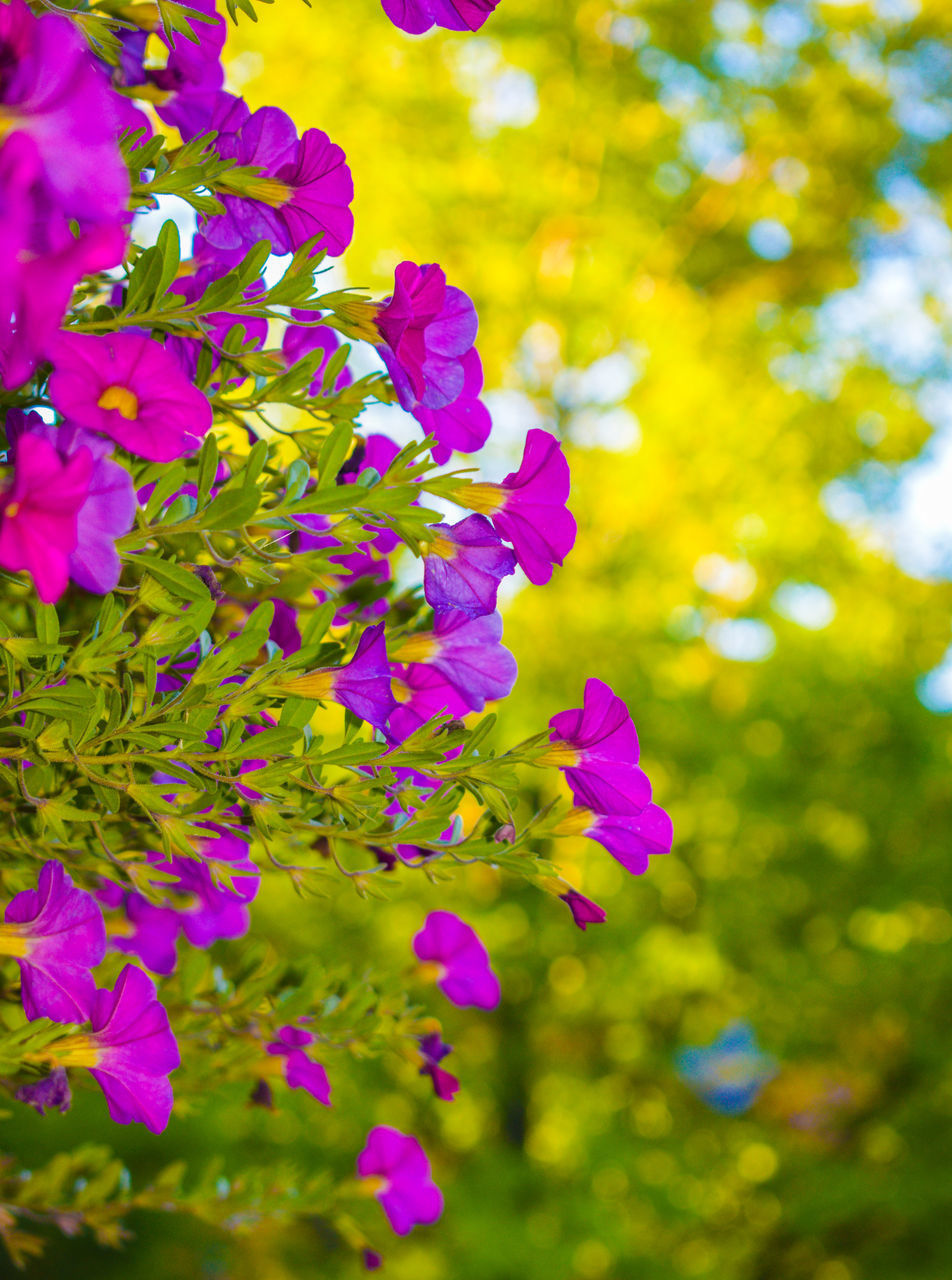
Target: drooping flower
x,y
427,328
52,1091
53,92
528,506
464,565
39,513
730,1073
361,685
432,1052
463,971
597,746
468,655
402,1181
417,16
584,910
56,934
129,1051
110,505
630,840
300,1071
463,425
131,389
305,188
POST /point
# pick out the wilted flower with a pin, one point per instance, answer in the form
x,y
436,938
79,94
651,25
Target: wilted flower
x,y
52,1091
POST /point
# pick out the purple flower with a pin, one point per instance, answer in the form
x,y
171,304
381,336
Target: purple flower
x,y
464,565
300,1071
53,92
129,1051
631,841
305,188
464,425
463,971
402,1181
528,507
417,16
299,341
362,685
432,1052
284,629
422,693
39,513
52,1091
56,933
584,910
192,72
597,746
131,389
217,324
373,1261
109,509
377,451
427,328
468,655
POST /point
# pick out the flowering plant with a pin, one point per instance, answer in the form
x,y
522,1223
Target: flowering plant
x,y
216,683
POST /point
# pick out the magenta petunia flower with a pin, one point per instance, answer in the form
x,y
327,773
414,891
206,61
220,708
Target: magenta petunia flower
x,y
401,1178
427,328
300,1071
361,685
629,840
39,513
464,425
53,92
110,505
129,1052
131,389
56,934
528,507
51,1092
468,655
597,746
464,565
304,190
193,70
432,1052
417,16
463,971
584,910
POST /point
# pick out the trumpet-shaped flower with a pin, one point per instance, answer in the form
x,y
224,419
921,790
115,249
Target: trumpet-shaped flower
x,y
468,654
461,963
361,685
56,934
300,1071
464,565
584,910
464,425
401,1178
131,389
597,746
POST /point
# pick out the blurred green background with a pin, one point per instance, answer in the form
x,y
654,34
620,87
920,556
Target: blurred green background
x,y
708,242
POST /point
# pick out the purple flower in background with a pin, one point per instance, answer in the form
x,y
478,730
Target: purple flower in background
x,y
192,72
305,188
597,746
584,910
300,1071
129,1051
373,1261
56,934
528,506
464,425
362,685
39,513
468,655
132,390
730,1073
401,1178
464,974
217,324
377,451
629,840
53,92
52,1091
299,341
284,629
417,16
427,328
464,565
110,505
432,1052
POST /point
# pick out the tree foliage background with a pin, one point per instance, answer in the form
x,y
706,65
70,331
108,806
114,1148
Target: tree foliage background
x,y
709,243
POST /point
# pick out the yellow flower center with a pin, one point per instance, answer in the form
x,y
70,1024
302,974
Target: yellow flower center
x,y
442,547
559,753
12,510
487,499
12,941
268,191
575,822
75,1051
124,401
318,685
418,648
